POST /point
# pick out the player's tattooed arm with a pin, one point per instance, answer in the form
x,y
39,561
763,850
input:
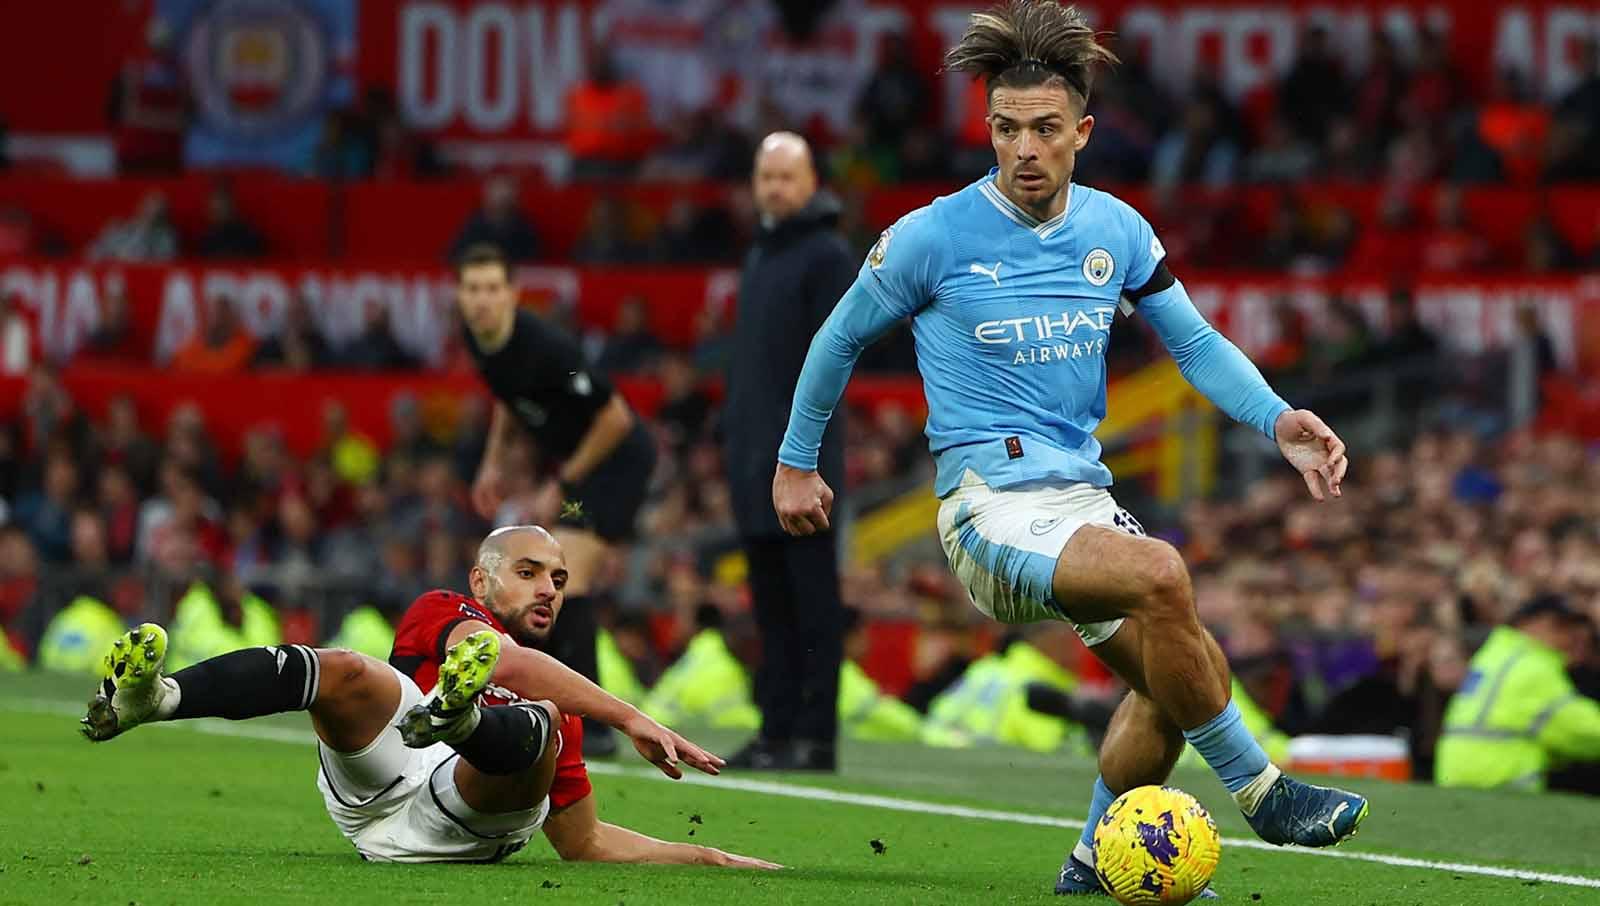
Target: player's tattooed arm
x,y
578,835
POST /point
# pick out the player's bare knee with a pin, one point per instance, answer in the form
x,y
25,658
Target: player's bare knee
x,y
346,675
1165,589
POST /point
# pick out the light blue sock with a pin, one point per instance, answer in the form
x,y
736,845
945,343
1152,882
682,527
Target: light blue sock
x,y
1098,804
1229,748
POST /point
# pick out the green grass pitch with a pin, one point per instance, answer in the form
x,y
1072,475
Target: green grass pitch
x,y
190,814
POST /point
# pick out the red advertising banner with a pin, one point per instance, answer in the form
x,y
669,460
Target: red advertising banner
x,y
500,70
66,303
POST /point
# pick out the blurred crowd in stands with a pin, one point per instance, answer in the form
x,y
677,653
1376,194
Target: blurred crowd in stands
x,y
1355,616
1408,119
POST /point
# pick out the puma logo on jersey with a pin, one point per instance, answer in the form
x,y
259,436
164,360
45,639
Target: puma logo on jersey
x,y
992,273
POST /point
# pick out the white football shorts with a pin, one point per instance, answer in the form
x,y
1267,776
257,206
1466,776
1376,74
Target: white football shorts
x,y
1003,545
398,804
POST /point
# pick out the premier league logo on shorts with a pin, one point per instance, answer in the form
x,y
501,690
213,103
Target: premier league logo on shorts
x,y
1098,267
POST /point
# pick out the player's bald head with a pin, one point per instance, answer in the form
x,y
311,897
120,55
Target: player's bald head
x,y
785,177
784,148
499,544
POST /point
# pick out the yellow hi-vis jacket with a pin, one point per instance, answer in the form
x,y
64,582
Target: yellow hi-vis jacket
x,y
989,703
77,639
866,713
1515,716
199,631
706,685
367,631
617,675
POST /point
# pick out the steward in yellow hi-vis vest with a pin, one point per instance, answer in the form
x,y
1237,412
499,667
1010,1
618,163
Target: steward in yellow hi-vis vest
x,y
200,628
1517,713
367,631
79,636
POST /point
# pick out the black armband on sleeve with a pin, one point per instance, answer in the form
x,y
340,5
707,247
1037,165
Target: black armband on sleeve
x,y
1160,280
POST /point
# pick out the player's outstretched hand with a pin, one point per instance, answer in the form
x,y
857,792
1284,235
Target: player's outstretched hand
x,y
486,490
665,749
1314,450
717,857
802,499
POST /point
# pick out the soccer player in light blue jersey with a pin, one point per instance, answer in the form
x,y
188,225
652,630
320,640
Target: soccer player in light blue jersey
x,y
1012,285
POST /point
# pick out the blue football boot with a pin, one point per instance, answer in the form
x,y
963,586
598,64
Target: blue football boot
x,y
1307,815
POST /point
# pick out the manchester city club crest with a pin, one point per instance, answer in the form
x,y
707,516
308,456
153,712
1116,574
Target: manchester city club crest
x,y
1098,267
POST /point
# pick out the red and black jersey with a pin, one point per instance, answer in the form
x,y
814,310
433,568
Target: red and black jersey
x,y
419,644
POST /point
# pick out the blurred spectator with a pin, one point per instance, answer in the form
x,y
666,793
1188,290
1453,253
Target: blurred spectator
x,y
400,153
1515,127
180,523
630,346
694,234
353,455
228,235
1407,338
1392,245
148,106
608,235
895,100
499,222
1198,151
1580,107
112,338
1314,90
298,345
608,122
375,348
22,235
124,443
5,146
19,575
1435,86
146,236
91,555
408,437
345,150
1380,88
437,507
1282,156
685,412
1544,250
118,500
223,347
46,513
1453,245
18,342
702,146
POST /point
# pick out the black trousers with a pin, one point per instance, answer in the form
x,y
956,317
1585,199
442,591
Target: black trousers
x,y
794,587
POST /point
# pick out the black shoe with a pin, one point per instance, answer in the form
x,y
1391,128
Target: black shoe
x,y
811,755
761,754
599,741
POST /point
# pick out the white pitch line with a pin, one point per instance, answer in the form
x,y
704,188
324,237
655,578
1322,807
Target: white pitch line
x,y
887,803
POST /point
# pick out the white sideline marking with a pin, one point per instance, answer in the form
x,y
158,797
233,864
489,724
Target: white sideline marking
x,y
888,803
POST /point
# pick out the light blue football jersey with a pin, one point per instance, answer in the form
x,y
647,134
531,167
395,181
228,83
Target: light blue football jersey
x,y
1011,319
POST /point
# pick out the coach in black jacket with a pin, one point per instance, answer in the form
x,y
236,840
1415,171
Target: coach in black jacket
x,y
798,269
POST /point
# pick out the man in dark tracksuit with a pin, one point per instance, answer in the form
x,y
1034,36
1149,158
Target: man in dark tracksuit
x,y
798,269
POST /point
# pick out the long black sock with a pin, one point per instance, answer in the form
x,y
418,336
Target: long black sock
x,y
250,682
508,739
